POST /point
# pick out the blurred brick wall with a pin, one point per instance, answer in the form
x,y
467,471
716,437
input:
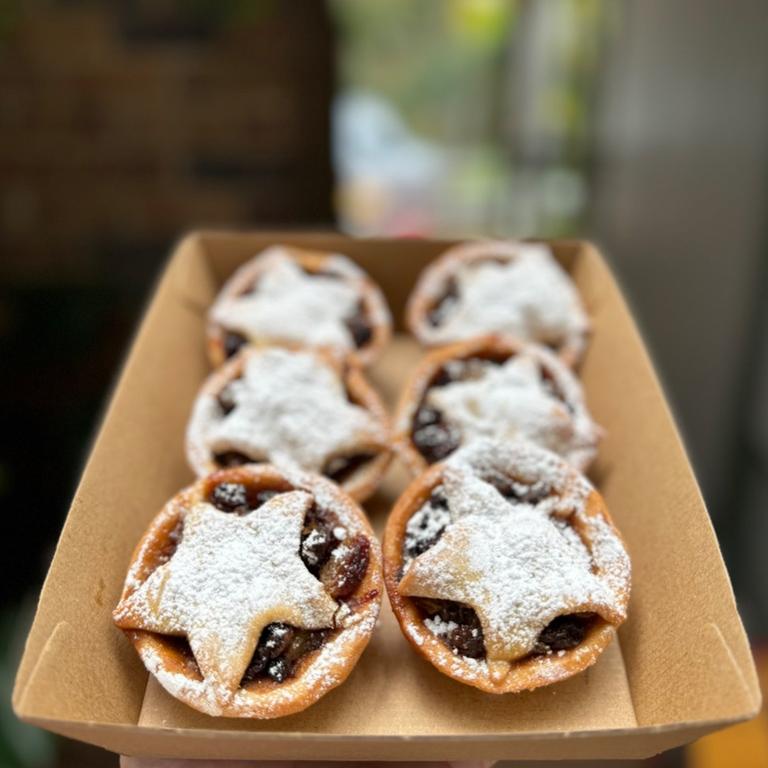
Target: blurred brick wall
x,y
123,124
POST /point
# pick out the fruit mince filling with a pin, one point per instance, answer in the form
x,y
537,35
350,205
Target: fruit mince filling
x,y
341,468
232,343
443,306
456,624
433,436
359,326
340,562
280,649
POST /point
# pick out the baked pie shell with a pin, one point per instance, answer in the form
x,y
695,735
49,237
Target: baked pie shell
x,y
492,346
264,698
366,478
313,262
433,281
525,674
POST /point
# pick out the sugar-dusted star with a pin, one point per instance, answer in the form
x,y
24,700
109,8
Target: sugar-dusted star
x,y
290,408
507,402
291,305
229,577
528,296
515,565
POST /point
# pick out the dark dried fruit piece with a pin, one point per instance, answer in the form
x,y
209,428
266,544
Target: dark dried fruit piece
x,y
281,647
232,342
563,633
278,670
232,459
346,567
443,306
304,642
359,327
432,436
466,637
168,550
226,401
275,639
341,468
467,641
317,539
230,497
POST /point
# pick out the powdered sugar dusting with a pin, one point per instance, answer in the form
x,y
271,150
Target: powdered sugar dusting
x,y
291,408
511,400
520,564
219,587
527,295
291,305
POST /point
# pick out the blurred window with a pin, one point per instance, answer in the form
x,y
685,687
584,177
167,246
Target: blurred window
x,y
466,116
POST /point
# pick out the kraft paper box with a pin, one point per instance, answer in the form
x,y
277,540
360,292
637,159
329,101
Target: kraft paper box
x,y
681,666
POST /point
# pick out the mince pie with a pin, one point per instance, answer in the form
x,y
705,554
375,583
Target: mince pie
x,y
493,387
293,297
302,408
253,592
504,569
490,286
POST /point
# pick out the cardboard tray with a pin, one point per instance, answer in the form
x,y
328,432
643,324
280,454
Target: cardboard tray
x,y
681,667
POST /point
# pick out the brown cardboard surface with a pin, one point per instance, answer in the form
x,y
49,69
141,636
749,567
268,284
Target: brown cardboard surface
x,y
681,666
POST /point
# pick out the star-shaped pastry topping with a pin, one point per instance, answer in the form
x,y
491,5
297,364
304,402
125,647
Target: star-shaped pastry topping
x,y
229,577
510,401
291,305
529,296
517,566
290,409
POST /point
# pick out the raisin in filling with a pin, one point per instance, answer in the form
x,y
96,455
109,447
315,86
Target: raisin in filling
x,y
341,563
232,459
341,468
433,437
338,560
359,327
232,342
426,526
563,633
239,499
444,304
456,624
226,401
279,651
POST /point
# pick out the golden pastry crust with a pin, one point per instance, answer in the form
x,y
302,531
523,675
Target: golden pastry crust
x,y
580,448
434,282
371,300
315,673
363,480
526,673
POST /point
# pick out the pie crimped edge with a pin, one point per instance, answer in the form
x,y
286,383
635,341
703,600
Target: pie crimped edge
x,y
431,284
364,480
491,346
317,672
526,674
375,305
